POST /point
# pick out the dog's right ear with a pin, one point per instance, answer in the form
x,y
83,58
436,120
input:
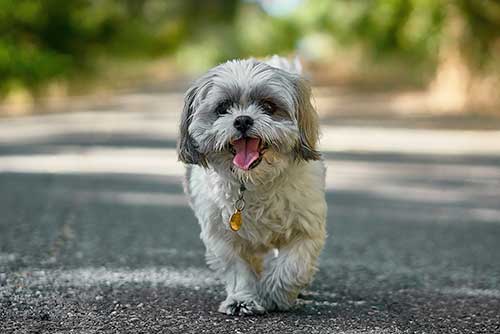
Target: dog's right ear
x,y
186,147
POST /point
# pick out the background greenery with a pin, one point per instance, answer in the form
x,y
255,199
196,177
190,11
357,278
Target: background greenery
x,y
46,40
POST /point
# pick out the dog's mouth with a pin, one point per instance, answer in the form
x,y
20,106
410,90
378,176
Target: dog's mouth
x,y
248,152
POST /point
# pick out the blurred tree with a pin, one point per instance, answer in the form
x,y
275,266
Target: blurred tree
x,y
468,67
459,40
42,40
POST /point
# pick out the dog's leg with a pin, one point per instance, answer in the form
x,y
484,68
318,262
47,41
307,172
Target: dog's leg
x,y
240,280
289,272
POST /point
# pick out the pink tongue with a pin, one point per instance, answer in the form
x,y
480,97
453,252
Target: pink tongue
x,y
247,151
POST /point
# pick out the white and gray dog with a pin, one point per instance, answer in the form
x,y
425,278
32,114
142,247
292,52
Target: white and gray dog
x,y
257,184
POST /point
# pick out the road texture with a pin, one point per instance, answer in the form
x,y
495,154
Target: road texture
x,y
96,235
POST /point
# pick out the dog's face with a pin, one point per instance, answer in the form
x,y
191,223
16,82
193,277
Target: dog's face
x,y
248,118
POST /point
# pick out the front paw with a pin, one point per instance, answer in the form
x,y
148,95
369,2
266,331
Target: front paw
x,y
278,301
276,294
234,305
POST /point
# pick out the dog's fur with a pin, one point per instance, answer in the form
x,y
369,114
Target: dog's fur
x,y
274,255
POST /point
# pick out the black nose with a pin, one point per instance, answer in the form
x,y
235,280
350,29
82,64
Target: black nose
x,y
243,123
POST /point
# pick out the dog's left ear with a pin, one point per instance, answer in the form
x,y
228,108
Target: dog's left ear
x,y
186,147
308,123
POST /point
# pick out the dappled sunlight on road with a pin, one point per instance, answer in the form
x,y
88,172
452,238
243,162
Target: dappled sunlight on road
x,y
149,161
132,198
87,277
157,117
396,178
440,183
446,167
410,141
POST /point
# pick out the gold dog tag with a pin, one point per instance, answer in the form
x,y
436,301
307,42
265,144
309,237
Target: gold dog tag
x,y
235,221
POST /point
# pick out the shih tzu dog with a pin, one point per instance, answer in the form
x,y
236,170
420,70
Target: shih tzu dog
x,y
256,181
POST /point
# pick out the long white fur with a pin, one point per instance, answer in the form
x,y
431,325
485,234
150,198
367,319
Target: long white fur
x,y
285,196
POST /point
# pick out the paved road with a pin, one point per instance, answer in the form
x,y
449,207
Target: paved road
x,y
96,236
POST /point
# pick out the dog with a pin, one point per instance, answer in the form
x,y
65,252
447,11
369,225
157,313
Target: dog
x,y
255,180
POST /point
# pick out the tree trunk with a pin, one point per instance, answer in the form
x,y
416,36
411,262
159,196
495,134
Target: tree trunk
x,y
449,90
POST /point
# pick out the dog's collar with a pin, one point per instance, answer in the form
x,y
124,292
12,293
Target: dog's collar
x,y
236,220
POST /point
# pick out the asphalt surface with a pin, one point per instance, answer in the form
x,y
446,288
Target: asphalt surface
x,y
96,235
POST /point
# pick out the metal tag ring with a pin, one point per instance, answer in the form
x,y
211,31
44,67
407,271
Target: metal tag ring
x,y
239,204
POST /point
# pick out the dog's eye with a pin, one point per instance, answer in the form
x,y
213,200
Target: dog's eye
x,y
268,107
222,108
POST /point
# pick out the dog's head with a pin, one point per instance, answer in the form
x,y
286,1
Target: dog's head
x,y
248,117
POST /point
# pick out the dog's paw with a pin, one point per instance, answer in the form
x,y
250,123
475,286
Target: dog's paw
x,y
273,295
238,306
274,304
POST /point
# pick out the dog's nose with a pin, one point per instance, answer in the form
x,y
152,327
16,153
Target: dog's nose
x,y
243,123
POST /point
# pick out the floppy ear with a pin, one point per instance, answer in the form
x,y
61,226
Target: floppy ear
x,y
186,147
308,123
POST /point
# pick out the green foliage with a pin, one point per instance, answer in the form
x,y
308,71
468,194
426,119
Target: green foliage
x,y
406,28
481,40
43,40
